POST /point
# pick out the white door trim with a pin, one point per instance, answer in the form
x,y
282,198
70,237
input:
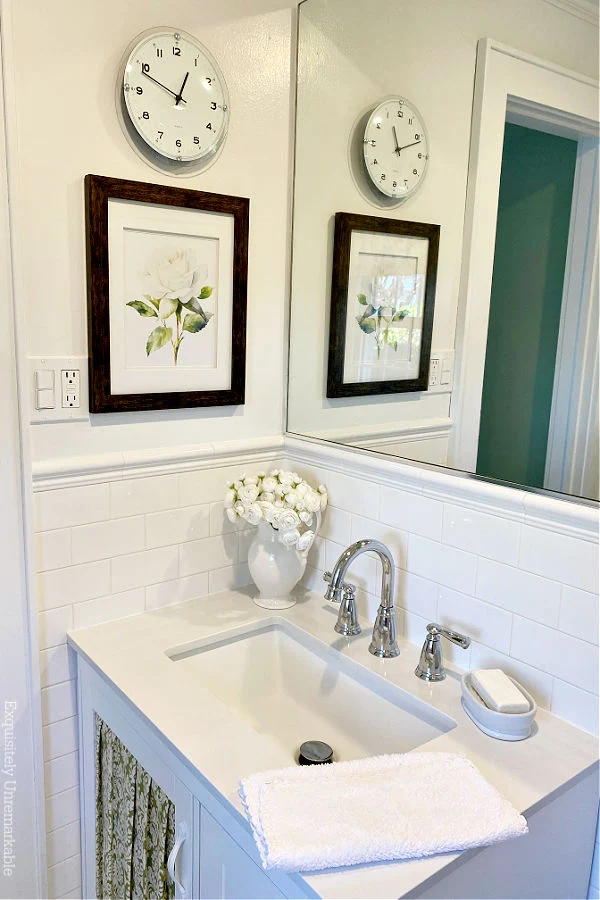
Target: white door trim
x,y
573,419
19,655
505,78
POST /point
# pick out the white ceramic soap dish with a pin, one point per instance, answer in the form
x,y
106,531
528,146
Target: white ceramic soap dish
x,y
504,726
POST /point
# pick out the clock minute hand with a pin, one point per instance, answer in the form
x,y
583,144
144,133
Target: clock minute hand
x,y
398,148
414,143
179,96
163,86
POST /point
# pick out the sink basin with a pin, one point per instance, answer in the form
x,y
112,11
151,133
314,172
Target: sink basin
x,y
291,687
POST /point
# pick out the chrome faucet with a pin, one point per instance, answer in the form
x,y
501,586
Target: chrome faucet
x,y
384,642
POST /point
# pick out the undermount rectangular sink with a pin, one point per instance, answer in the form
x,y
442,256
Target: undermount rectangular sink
x,y
291,687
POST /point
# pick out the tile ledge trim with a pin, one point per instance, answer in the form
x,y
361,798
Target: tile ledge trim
x,y
75,471
567,517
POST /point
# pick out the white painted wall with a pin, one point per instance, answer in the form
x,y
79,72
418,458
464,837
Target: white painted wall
x,y
353,54
62,60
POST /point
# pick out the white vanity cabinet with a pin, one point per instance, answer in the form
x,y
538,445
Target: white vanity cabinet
x,y
215,856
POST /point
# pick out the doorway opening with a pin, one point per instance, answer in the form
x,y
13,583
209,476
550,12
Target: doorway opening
x,y
532,236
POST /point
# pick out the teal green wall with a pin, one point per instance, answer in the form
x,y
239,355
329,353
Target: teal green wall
x,y
536,188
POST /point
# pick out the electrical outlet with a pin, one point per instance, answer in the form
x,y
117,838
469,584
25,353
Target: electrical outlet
x,y
441,371
70,388
434,371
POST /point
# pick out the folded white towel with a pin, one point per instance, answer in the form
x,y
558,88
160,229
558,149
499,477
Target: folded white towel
x,y
400,806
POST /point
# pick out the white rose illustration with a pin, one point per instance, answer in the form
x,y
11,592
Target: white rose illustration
x,y
267,497
177,277
269,483
286,477
306,517
231,515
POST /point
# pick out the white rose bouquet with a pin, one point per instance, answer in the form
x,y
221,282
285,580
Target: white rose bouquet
x,y
281,499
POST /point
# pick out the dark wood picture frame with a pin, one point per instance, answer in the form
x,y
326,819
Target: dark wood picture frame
x,y
98,191
345,224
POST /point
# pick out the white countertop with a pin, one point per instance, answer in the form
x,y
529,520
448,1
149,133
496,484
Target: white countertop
x,y
130,652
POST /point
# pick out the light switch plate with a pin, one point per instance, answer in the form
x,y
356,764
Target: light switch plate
x,y
62,411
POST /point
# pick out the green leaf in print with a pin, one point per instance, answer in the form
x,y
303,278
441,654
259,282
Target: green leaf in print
x,y
167,307
143,308
205,292
158,338
400,315
368,325
194,306
155,303
362,298
196,322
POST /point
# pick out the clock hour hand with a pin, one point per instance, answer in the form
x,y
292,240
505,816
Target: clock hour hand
x,y
179,96
163,86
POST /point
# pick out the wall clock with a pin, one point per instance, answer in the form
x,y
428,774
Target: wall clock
x,y
172,101
388,152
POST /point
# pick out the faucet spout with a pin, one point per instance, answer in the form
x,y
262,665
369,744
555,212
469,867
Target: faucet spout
x,y
384,643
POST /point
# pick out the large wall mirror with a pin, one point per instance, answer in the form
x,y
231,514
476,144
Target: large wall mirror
x,y
485,164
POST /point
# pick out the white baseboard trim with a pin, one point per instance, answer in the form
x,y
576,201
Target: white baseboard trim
x,y
572,517
78,470
420,429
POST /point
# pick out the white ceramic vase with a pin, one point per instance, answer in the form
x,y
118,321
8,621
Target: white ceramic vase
x,y
275,568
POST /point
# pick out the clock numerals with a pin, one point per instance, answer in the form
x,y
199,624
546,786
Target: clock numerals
x,y
395,129
171,81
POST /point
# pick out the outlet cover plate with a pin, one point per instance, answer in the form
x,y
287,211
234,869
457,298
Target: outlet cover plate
x,y
60,413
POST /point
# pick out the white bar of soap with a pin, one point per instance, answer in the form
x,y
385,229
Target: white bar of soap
x,y
498,692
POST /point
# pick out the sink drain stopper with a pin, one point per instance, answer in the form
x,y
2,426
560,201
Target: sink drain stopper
x,y
314,753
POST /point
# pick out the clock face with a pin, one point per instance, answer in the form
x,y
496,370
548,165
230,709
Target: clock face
x,y
396,148
176,96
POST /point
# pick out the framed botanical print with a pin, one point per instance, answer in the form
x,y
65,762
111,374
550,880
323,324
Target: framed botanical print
x,y
382,301
166,280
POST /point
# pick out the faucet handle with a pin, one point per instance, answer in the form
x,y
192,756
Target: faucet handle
x,y
455,636
431,661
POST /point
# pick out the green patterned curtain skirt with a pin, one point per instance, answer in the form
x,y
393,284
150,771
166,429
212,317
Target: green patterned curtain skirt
x,y
135,825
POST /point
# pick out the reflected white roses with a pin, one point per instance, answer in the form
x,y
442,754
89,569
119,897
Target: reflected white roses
x,y
283,500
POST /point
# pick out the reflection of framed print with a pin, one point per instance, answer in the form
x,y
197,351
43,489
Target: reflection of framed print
x,y
166,272
382,299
